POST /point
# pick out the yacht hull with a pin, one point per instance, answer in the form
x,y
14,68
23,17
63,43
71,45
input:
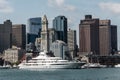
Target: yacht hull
x,y
52,66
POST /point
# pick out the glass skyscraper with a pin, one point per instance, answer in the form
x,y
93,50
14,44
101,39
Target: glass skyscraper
x,y
34,25
60,25
33,29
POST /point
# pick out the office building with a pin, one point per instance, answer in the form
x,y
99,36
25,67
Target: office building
x,y
114,39
60,49
30,38
60,25
34,25
19,35
89,35
72,42
14,55
98,37
5,35
52,36
33,29
105,37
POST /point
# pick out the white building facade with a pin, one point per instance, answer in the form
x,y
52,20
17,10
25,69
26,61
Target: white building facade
x,y
59,48
13,55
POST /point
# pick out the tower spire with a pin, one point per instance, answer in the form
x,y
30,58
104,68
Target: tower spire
x,y
44,34
44,23
45,18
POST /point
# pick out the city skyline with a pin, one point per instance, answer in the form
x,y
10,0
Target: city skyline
x,y
20,11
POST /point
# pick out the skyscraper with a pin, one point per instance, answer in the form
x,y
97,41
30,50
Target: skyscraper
x,y
72,42
33,29
89,35
60,25
114,39
34,25
5,35
105,37
44,34
98,36
19,35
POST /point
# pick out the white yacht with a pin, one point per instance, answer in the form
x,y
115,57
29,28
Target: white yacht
x,y
44,61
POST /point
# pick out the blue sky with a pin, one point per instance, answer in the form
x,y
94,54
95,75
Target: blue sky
x,y
19,11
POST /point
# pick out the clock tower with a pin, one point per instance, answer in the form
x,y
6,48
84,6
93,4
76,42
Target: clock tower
x,y
45,35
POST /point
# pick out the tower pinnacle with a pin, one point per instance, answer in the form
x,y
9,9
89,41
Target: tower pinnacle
x,y
44,34
45,18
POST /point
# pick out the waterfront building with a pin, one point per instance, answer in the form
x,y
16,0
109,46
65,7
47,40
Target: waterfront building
x,y
60,49
13,55
60,25
5,35
105,37
98,37
19,35
89,35
33,29
72,43
44,34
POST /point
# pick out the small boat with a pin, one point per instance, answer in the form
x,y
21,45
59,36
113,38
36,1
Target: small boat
x,y
117,66
14,67
93,65
4,67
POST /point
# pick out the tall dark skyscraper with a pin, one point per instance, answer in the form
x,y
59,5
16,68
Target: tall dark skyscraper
x,y
89,35
33,29
19,35
60,25
114,38
5,35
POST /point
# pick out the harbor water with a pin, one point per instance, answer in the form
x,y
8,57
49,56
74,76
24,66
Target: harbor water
x,y
61,74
